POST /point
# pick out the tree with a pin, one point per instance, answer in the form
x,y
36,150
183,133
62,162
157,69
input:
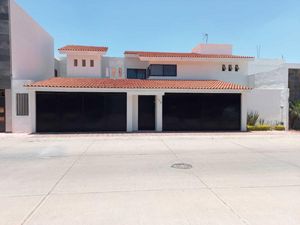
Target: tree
x,y
294,112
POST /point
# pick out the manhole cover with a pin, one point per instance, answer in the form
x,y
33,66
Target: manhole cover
x,y
182,166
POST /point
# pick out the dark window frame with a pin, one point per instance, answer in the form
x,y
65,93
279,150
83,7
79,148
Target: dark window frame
x,y
163,75
83,63
237,68
92,63
136,75
75,62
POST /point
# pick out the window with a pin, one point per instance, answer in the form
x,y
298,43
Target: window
x,y
230,68
22,105
136,74
163,70
75,62
92,63
83,63
55,73
223,67
237,68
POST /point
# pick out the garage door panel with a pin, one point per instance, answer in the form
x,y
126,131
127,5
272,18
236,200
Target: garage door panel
x,y
81,112
201,112
70,112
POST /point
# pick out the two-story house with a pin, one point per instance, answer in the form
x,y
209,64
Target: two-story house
x,y
207,89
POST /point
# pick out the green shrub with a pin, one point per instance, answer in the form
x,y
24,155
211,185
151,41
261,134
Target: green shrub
x,y
279,127
263,127
252,118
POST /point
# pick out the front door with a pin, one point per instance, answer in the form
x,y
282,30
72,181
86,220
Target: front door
x,y
146,113
2,111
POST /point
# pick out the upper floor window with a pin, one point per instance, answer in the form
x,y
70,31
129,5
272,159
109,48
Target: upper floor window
x,y
163,70
83,63
136,74
237,68
230,68
92,63
75,62
223,67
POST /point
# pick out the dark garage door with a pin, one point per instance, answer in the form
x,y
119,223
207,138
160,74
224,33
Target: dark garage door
x,y
202,112
80,112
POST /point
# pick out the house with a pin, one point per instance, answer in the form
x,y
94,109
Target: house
x,y
206,89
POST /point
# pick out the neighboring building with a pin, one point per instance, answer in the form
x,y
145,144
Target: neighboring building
x,y
294,87
26,55
207,89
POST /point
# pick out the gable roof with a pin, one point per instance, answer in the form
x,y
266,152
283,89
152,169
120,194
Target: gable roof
x,y
184,55
63,82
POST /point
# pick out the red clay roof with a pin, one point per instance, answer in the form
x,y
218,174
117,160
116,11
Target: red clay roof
x,y
83,48
136,84
184,55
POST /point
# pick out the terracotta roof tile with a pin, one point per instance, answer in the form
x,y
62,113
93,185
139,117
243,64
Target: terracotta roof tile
x,y
83,48
136,84
183,55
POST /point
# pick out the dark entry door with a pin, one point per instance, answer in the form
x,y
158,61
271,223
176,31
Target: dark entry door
x,y
80,112
2,111
202,112
146,113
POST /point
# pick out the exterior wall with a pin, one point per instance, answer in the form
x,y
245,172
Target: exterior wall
x,y
270,94
224,49
113,67
81,71
61,66
201,70
5,57
271,104
32,51
32,47
20,124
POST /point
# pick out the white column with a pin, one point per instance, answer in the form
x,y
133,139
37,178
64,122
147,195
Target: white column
x,y
32,110
135,113
159,113
244,111
129,112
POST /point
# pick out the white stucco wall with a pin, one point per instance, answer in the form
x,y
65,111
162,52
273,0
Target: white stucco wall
x,y
271,104
21,124
270,94
32,59
200,70
81,71
32,47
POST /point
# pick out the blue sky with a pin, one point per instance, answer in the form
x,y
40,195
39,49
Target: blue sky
x,y
173,25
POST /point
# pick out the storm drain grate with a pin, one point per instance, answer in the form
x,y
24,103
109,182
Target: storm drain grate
x,y
182,166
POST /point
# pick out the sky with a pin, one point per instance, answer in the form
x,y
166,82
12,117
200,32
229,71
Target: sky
x,y
173,25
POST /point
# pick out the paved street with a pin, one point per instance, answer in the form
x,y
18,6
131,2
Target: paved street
x,y
128,179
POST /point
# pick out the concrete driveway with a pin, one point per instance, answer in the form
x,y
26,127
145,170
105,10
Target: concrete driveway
x,y
127,179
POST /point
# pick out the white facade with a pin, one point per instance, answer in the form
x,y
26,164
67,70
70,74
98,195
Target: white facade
x,y
32,52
